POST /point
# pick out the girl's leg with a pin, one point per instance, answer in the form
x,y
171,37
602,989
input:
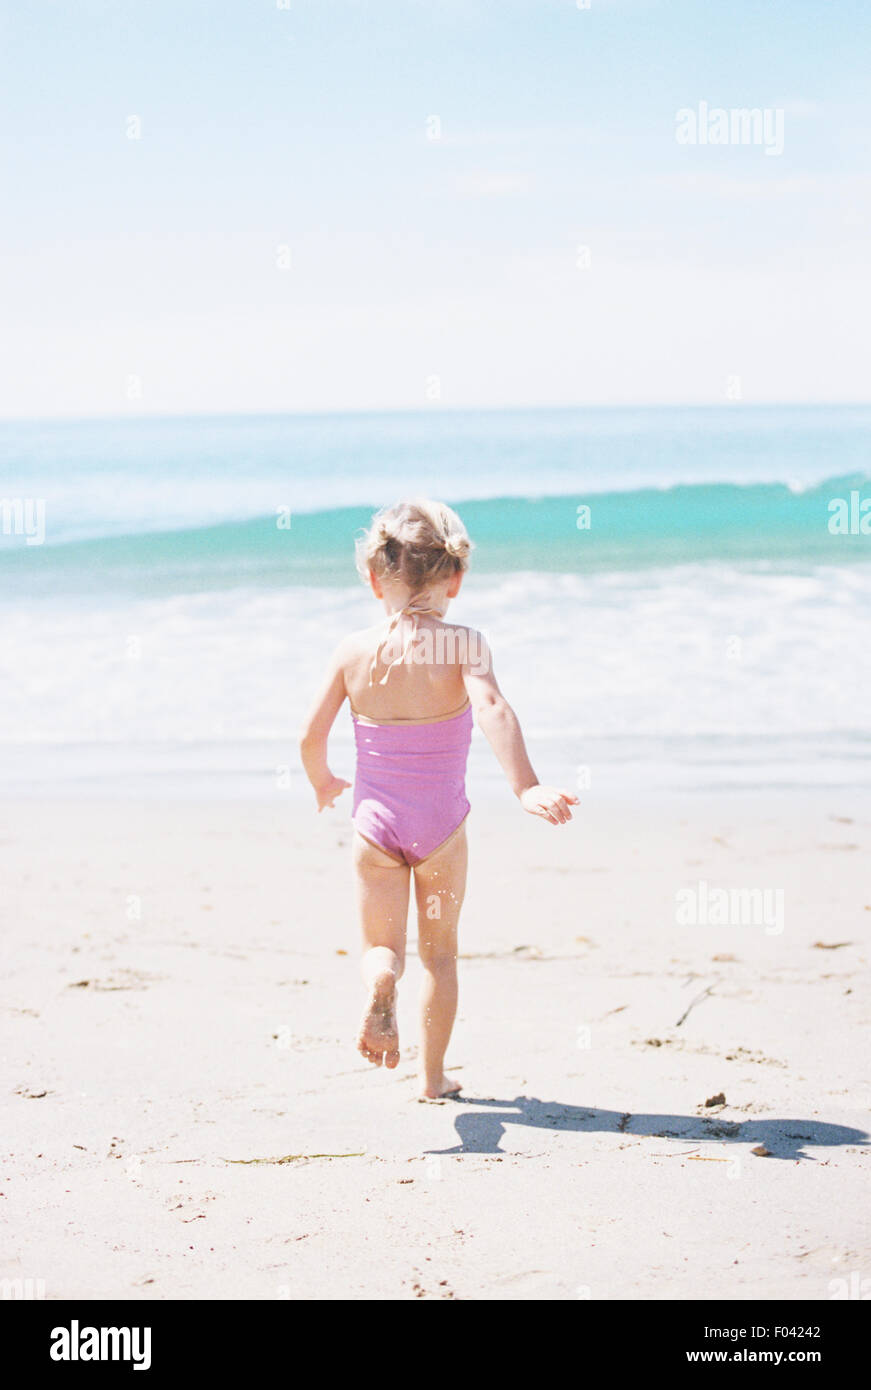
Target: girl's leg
x,y
382,895
439,885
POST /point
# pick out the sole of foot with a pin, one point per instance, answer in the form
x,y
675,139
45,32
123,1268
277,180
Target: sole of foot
x,y
378,1038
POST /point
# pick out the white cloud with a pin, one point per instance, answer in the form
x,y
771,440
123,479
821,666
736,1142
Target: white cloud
x,y
491,185
821,185
800,106
549,136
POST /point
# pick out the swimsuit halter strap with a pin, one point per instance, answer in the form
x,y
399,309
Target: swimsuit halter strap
x,y
414,609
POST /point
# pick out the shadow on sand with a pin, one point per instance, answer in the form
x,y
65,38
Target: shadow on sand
x,y
480,1129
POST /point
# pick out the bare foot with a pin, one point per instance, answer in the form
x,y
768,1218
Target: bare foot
x,y
441,1089
378,1035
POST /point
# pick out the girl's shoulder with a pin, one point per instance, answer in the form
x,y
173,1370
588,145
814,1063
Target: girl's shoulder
x,y
437,640
354,644
460,633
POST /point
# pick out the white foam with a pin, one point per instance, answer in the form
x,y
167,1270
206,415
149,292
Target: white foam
x,y
699,652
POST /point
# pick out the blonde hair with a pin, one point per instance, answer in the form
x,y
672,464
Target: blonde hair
x,y
417,542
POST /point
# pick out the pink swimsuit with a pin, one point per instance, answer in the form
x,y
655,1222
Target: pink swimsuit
x,y
410,789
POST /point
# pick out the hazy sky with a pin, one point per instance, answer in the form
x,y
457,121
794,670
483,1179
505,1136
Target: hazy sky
x,y
145,275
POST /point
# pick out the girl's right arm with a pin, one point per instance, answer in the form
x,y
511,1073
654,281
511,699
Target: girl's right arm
x,y
502,730
315,732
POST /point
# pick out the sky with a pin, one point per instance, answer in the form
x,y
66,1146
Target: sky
x,y
309,205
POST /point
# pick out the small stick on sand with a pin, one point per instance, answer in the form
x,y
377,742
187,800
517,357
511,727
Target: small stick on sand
x,y
698,999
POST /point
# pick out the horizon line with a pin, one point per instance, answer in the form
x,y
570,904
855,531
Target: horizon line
x,y
374,411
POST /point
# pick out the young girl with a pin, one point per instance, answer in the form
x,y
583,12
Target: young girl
x,y
414,682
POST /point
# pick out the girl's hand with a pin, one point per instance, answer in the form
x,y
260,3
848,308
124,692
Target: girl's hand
x,y
548,802
327,794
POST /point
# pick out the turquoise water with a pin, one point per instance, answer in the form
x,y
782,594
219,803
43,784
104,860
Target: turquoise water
x,y
622,531
708,607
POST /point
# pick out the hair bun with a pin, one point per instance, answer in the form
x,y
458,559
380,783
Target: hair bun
x,y
416,542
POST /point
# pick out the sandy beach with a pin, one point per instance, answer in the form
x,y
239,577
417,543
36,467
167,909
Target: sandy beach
x,y
185,1115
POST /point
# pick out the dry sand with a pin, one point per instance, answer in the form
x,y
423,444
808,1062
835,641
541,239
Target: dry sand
x,y
179,1003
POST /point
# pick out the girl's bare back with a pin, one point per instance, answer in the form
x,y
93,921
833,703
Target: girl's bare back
x,y
422,659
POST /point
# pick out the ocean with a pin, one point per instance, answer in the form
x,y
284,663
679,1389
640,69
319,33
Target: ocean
x,y
670,602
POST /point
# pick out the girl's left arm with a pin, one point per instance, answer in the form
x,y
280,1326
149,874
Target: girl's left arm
x,y
316,730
